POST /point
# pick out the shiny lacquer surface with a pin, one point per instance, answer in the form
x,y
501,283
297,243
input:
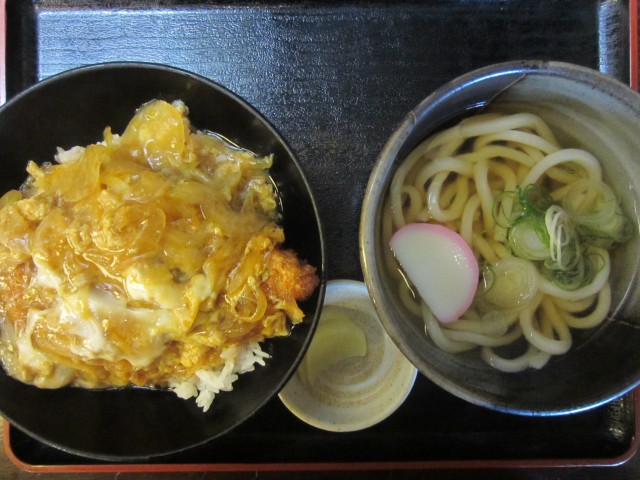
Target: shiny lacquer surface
x,y
336,78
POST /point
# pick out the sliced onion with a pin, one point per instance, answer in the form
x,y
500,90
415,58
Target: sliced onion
x,y
596,284
593,206
515,284
529,239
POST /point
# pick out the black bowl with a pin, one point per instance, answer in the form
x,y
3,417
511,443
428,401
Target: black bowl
x,y
73,108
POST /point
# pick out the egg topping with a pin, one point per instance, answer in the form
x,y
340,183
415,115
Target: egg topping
x,y
141,258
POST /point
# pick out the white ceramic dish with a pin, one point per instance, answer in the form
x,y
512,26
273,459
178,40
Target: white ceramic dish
x,y
359,393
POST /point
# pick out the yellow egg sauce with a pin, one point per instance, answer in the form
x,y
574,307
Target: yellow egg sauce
x,y
337,343
344,364
142,258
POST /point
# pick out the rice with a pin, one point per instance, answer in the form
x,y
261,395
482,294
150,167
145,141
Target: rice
x,y
207,383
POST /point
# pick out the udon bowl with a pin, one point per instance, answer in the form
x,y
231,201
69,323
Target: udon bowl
x,y
125,424
587,110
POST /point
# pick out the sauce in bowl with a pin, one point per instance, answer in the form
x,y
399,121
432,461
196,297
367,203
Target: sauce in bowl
x,y
353,376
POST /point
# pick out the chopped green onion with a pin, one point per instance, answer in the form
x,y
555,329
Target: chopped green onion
x,y
534,199
556,236
563,240
594,208
529,239
514,283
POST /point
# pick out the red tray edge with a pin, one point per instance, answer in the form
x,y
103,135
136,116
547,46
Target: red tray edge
x,y
391,465
333,466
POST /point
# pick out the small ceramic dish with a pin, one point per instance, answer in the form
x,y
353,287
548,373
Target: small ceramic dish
x,y
351,390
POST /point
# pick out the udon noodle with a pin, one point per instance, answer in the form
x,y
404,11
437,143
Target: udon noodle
x,y
539,219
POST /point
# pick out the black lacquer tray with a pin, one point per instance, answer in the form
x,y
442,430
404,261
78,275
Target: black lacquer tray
x,y
335,78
